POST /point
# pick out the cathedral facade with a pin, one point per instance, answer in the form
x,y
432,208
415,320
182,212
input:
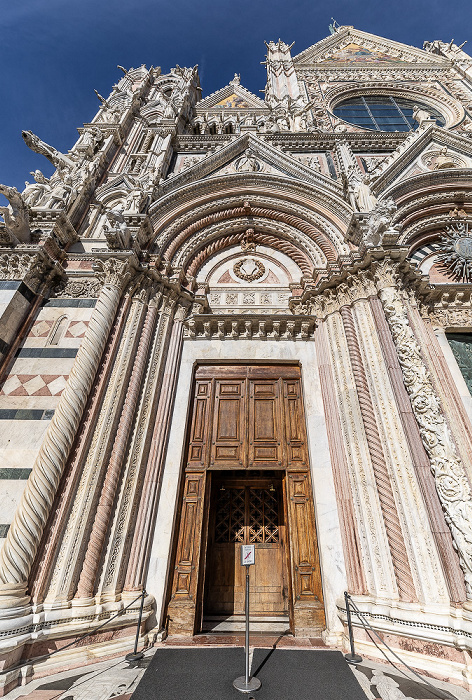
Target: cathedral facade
x,y
232,320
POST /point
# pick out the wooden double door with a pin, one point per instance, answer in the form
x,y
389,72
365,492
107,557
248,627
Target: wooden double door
x,y
246,480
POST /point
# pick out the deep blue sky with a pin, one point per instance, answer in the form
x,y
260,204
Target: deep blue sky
x,y
55,52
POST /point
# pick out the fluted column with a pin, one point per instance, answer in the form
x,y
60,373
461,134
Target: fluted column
x,y
101,523
25,533
441,532
349,531
139,550
451,481
393,529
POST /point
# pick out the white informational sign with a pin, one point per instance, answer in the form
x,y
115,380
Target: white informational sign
x,y
248,555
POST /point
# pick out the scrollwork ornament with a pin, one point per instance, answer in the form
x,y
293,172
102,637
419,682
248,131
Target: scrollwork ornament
x,y
113,271
85,288
451,482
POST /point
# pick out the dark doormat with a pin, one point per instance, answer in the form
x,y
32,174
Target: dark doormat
x,y
304,674
208,674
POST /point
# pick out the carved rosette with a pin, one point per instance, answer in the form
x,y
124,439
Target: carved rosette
x,y
26,531
451,482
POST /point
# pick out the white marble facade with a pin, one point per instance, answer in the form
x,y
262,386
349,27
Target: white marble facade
x,y
302,227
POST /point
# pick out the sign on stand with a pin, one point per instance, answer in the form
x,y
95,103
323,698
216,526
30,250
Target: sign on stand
x,y
245,683
248,554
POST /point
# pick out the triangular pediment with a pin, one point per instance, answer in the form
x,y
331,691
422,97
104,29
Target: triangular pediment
x,y
118,186
249,155
427,150
351,47
232,97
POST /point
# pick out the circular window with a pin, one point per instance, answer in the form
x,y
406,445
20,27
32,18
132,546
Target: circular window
x,y
383,113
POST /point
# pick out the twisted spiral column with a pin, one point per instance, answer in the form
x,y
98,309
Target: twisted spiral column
x,y
393,529
24,535
91,563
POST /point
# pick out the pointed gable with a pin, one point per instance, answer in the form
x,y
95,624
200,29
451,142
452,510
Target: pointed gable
x,y
231,97
233,102
349,46
355,53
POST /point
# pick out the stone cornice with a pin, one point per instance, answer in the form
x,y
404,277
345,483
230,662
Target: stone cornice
x,y
245,327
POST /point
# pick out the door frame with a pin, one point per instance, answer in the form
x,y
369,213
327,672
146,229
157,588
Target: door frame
x,y
186,581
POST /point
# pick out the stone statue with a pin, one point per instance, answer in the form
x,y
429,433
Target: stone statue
x,y
62,191
115,229
58,159
364,197
298,116
35,192
443,160
15,215
90,140
111,111
134,201
420,115
387,688
379,222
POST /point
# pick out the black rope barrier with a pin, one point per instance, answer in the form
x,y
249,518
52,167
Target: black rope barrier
x,y
90,634
439,693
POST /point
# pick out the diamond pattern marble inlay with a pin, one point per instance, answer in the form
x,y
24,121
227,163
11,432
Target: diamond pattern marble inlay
x,y
34,385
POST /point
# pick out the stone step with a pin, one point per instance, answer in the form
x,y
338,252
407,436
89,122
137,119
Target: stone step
x,y
237,623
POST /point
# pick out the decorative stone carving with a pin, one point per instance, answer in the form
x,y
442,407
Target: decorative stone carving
x,y
451,482
420,115
15,215
379,223
58,159
456,246
116,230
249,269
84,288
281,327
25,532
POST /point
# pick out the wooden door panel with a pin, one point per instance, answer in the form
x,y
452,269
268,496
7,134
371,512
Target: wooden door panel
x,y
265,450
294,426
199,427
228,449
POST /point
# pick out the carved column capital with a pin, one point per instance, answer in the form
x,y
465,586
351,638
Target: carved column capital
x,y
114,271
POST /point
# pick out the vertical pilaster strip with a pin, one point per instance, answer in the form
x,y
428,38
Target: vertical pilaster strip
x,y
100,527
451,481
441,533
349,533
25,533
445,386
393,529
135,575
42,569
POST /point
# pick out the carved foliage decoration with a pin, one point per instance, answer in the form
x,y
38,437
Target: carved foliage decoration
x,y
451,482
249,269
456,244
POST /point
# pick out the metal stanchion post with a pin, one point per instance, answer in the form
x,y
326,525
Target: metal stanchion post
x,y
137,655
351,658
245,683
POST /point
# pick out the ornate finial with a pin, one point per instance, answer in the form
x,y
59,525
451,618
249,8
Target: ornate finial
x,y
236,80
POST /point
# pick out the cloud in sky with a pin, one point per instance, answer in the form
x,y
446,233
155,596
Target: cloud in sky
x,y
55,52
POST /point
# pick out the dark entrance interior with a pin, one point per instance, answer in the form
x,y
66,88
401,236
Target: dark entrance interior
x,y
246,509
